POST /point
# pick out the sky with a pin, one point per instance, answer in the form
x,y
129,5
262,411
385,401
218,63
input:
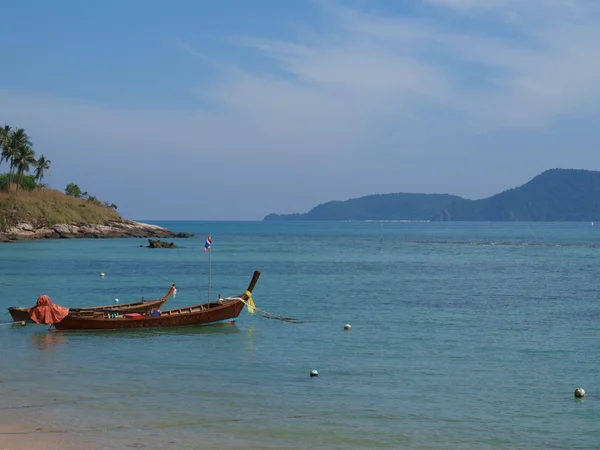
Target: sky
x,y
231,110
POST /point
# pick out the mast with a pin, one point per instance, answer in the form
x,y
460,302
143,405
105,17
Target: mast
x,y
207,246
209,269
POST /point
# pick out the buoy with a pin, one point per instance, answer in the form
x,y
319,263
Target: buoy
x,y
314,373
116,300
23,323
347,326
102,274
579,393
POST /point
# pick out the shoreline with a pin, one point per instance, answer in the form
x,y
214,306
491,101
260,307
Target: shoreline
x,y
23,433
112,229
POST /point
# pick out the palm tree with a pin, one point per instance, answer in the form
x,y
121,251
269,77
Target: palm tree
x,y
42,165
17,144
4,133
24,159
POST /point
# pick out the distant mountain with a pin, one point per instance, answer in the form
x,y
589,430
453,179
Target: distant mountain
x,y
377,207
554,195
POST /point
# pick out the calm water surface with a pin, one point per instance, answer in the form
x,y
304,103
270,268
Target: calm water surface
x,y
463,336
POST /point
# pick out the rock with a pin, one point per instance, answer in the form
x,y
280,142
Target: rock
x,y
160,244
65,231
24,226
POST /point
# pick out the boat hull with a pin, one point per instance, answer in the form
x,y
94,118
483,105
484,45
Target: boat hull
x,y
227,310
19,314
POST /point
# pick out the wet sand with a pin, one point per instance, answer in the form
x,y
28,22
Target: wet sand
x,y
22,437
29,430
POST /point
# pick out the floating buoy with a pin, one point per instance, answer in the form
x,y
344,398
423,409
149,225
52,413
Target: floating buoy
x,y
579,393
102,274
314,373
347,326
23,323
116,300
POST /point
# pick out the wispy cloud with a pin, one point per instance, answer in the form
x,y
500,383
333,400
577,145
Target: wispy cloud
x,y
535,69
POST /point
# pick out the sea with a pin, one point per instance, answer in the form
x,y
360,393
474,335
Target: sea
x,y
463,336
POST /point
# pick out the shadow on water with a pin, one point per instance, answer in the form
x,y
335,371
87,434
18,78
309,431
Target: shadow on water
x,y
47,341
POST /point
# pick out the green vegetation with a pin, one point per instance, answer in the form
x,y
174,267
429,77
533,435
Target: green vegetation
x,y
23,197
554,195
73,190
16,149
26,183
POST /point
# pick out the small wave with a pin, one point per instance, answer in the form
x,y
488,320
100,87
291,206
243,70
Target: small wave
x,y
514,244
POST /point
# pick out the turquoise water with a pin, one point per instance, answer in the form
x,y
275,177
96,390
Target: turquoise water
x,y
464,336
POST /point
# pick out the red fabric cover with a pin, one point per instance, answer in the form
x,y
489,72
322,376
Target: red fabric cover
x,y
46,312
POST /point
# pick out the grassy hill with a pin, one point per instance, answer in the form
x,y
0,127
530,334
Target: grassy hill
x,y
47,207
554,195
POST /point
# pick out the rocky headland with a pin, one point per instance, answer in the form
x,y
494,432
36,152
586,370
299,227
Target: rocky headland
x,y
111,229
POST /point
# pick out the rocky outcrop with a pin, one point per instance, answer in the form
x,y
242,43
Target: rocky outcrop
x,y
116,229
155,243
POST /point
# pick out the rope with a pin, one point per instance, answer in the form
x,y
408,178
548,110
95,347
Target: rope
x,y
265,313
22,322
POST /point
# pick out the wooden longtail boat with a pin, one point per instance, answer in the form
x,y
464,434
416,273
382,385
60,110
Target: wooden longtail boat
x,y
225,309
22,314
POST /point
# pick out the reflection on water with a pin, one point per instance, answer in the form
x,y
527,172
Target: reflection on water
x,y
47,340
145,333
251,338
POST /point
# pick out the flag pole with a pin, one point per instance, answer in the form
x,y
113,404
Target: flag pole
x,y
209,269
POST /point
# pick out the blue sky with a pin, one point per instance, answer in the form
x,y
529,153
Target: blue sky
x,y
231,110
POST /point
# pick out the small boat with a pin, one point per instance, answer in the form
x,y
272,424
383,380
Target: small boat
x,y
23,314
223,310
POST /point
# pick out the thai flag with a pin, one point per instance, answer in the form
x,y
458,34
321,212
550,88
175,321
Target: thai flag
x,y
207,243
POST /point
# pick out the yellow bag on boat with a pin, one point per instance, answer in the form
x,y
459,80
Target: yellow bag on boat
x,y
251,306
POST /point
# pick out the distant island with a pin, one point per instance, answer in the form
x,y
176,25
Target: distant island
x,y
29,209
556,195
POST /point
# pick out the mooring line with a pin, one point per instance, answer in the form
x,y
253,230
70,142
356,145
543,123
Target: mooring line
x,y
22,322
266,314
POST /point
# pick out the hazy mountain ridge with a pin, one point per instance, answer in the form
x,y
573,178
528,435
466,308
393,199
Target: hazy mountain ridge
x,y
553,195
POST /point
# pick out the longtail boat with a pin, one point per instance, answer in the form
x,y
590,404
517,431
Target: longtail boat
x,y
223,310
144,306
